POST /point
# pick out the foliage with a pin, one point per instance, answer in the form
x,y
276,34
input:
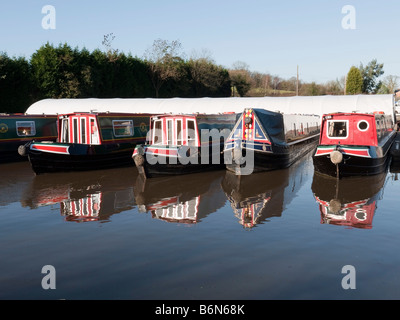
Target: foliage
x,y
370,73
65,72
15,84
354,82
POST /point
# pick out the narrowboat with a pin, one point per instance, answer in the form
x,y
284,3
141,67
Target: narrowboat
x,y
177,199
89,141
349,202
354,144
258,198
263,140
183,143
16,129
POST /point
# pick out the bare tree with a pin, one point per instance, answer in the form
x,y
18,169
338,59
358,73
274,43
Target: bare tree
x,y
389,84
163,58
112,54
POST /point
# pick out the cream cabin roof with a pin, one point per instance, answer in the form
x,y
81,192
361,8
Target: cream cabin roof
x,y
317,105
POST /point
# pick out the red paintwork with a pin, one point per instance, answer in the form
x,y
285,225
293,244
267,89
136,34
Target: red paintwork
x,y
355,136
56,149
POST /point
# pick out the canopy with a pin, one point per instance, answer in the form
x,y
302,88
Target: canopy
x,y
317,105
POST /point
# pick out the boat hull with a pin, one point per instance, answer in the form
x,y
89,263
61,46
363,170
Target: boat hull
x,y
79,158
173,164
280,157
351,166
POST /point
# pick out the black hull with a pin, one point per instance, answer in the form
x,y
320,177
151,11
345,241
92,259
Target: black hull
x,y
280,158
352,166
355,165
164,168
43,162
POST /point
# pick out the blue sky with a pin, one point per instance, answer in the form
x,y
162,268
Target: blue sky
x,y
269,36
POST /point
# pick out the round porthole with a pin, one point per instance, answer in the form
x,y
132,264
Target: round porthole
x,y
363,125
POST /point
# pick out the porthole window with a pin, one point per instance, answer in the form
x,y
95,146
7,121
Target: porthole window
x,y
363,125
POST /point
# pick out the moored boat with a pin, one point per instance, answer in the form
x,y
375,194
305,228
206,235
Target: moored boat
x,y
354,144
89,141
16,129
183,143
263,140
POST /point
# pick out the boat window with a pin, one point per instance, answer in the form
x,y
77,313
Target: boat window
x,y
157,132
64,131
75,137
337,129
83,130
123,128
191,133
170,132
26,128
363,125
94,133
179,132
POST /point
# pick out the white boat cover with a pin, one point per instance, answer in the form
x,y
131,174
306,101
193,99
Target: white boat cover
x,y
317,105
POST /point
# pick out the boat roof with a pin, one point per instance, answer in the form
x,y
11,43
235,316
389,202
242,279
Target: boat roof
x,y
317,105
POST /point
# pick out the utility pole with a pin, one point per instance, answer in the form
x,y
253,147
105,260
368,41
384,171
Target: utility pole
x,y
297,81
345,84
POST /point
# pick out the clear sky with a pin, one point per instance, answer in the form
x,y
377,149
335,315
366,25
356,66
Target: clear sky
x,y
269,36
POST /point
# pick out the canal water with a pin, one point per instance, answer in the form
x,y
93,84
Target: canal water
x,y
286,234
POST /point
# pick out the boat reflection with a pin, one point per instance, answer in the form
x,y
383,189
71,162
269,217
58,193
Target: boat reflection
x,y
183,198
84,196
349,201
255,198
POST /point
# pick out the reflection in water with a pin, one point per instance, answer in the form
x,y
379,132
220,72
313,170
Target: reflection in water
x,y
83,196
395,168
349,201
183,198
15,177
255,198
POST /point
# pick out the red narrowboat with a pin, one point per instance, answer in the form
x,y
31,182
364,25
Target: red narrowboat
x,y
183,143
352,144
89,141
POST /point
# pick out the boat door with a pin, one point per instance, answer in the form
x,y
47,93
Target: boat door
x,y
81,129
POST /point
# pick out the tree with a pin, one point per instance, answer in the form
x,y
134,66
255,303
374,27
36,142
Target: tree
x,y
334,87
370,73
240,78
208,79
354,83
15,84
107,42
389,85
56,71
163,60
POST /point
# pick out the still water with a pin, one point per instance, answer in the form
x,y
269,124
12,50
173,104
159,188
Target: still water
x,y
284,234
